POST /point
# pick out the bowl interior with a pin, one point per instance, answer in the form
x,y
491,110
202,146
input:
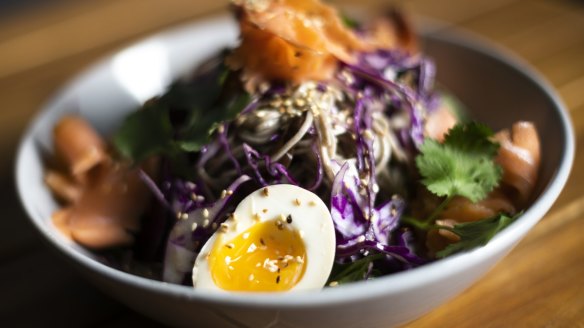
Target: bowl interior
x,y
496,88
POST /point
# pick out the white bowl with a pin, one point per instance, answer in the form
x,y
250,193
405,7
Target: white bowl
x,y
497,88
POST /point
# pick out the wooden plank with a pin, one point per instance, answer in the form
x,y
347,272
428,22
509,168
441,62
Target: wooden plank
x,y
455,11
573,188
111,22
86,29
517,17
38,17
564,66
572,92
547,39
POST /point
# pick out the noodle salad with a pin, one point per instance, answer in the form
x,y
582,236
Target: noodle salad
x,y
318,152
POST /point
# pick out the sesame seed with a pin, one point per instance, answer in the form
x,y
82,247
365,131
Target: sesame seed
x,y
297,202
205,213
265,210
205,223
224,227
251,277
179,215
312,203
299,259
252,248
223,193
256,217
184,216
230,245
221,129
278,279
229,192
393,211
334,284
361,239
264,86
200,198
214,226
194,226
262,242
245,235
265,192
289,219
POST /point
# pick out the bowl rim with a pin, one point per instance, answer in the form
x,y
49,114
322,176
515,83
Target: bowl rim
x,y
354,292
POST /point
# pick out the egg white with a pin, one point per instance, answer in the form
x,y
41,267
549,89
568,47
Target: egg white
x,y
311,218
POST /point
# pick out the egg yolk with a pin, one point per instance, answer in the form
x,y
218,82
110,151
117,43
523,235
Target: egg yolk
x,y
269,256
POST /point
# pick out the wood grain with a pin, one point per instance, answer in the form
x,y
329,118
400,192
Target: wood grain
x,y
540,283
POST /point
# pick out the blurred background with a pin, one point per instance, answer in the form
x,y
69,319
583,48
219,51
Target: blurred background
x,y
44,43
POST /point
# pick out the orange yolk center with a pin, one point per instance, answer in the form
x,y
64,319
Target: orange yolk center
x,y
269,256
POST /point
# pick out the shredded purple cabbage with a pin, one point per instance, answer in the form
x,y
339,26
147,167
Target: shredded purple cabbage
x,y
184,241
365,221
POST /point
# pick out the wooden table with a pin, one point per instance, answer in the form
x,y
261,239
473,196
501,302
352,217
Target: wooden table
x,y
541,283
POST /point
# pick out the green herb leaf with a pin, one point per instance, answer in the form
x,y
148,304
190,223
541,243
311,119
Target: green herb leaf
x,y
183,119
203,123
354,271
475,234
144,133
461,166
349,22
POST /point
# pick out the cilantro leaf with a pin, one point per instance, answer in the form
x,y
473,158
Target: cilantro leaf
x,y
184,117
475,234
144,133
462,165
203,122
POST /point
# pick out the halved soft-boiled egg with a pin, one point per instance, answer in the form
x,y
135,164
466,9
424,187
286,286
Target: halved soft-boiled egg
x,y
280,238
